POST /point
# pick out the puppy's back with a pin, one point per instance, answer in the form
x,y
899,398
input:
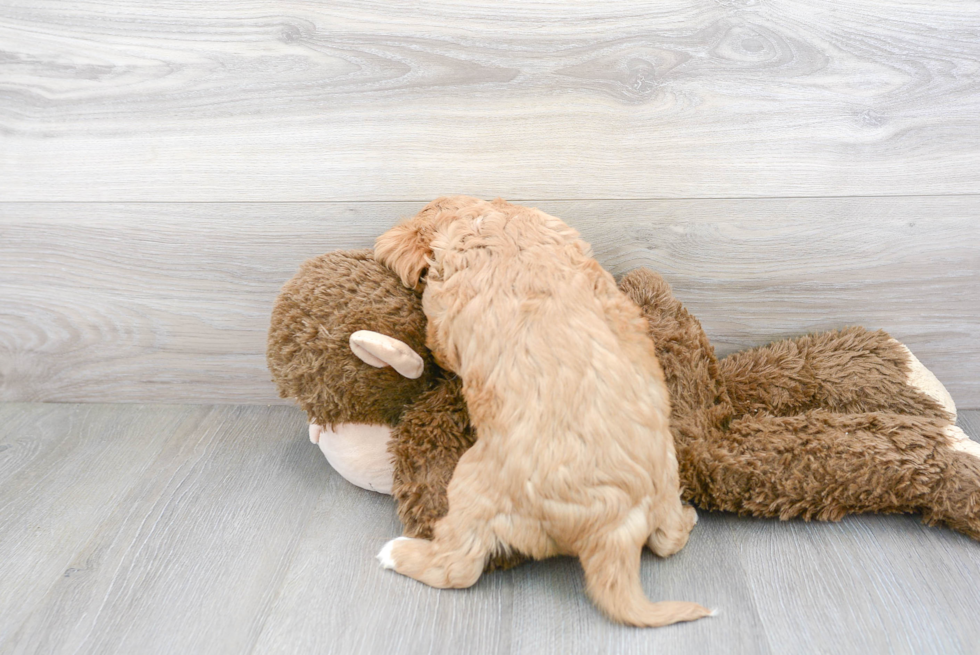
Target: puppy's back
x,y
553,356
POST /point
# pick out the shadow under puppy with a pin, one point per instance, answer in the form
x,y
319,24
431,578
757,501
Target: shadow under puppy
x,y
574,453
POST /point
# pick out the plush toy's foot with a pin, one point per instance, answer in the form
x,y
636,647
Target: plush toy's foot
x,y
956,501
959,441
925,382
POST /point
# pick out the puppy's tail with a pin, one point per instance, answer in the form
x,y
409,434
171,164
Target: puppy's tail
x,y
612,579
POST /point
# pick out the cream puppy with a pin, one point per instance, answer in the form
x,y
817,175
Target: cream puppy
x,y
574,455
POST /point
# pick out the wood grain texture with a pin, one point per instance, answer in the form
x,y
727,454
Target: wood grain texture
x,y
552,614
236,101
65,470
834,588
195,529
171,302
337,599
190,558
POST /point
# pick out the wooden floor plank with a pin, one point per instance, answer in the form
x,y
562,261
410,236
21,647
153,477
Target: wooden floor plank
x,y
553,614
336,598
81,462
191,559
222,530
348,100
969,421
868,584
23,442
171,302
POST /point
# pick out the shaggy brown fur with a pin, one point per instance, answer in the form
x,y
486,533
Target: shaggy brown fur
x,y
838,431
574,452
308,348
426,444
825,371
736,451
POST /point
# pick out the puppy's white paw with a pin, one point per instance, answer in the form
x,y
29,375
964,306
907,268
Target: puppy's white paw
x,y
922,379
958,440
387,562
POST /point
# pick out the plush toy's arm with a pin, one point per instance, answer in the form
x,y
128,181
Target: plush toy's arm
x,y
685,354
849,371
821,465
425,446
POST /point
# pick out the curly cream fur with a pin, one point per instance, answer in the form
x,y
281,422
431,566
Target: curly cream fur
x,y
574,452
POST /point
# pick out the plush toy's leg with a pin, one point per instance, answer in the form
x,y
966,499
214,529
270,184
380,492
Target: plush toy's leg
x,y
822,465
849,371
958,505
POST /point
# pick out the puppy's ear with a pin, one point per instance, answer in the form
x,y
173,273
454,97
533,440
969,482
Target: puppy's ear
x,y
406,249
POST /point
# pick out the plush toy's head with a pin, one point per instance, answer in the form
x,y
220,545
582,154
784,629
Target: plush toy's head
x,y
332,346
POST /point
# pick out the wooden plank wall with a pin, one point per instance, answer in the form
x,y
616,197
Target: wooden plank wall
x,y
164,167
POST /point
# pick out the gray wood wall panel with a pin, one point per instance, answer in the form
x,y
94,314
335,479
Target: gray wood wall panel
x,y
348,100
170,302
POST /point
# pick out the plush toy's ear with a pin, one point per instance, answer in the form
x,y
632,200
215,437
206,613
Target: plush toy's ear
x,y
380,350
406,249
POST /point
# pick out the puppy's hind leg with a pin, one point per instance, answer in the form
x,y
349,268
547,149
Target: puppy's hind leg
x,y
435,563
671,520
674,522
463,539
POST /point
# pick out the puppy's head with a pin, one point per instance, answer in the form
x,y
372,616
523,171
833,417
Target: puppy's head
x,y
407,248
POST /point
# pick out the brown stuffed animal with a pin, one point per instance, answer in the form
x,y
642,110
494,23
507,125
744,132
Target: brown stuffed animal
x,y
816,427
313,353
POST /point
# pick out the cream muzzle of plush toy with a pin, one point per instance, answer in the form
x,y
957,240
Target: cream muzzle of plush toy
x,y
359,451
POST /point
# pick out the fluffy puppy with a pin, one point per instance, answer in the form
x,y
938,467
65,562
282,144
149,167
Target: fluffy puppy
x,y
573,454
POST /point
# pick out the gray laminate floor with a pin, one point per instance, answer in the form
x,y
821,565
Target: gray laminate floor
x,y
221,529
